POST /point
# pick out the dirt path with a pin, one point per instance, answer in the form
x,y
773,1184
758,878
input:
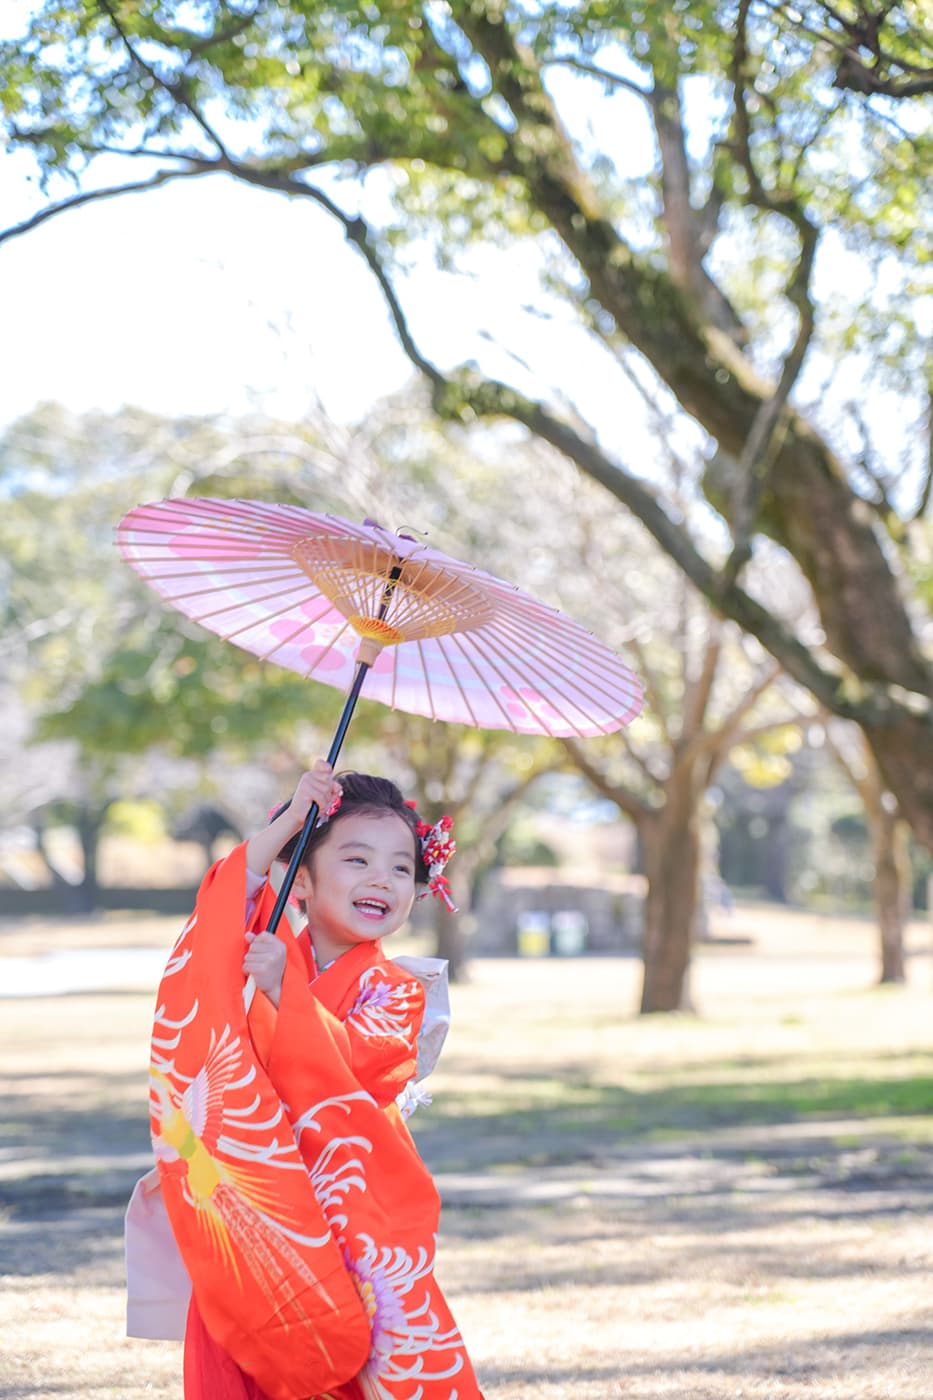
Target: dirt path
x,y
738,1206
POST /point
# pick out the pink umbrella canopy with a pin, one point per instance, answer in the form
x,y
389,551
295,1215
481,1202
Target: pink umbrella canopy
x,y
318,595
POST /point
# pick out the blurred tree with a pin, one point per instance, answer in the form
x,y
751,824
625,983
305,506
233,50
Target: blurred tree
x,y
892,871
708,698
107,676
709,694
111,672
476,777
785,141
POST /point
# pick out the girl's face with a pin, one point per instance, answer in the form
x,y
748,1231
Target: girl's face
x,y
361,885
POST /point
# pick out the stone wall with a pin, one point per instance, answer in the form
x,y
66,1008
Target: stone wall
x,y
540,911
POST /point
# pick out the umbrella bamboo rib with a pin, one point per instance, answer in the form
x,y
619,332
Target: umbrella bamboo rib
x,y
220,566
199,511
581,674
454,641
186,596
508,681
329,647
179,516
455,681
238,605
207,531
427,678
550,686
585,644
299,628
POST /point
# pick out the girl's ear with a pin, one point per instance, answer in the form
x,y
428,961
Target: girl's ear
x,y
301,886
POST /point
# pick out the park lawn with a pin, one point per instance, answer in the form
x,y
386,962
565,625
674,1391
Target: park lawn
x,y
729,1203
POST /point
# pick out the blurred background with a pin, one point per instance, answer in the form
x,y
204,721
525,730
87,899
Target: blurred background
x,y
629,305
139,749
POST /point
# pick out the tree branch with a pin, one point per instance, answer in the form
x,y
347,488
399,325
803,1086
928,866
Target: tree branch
x,y
198,44
762,682
163,177
453,394
633,806
688,232
593,70
924,499
719,740
697,696
487,397
653,690
761,444
176,89
861,782
638,759
496,823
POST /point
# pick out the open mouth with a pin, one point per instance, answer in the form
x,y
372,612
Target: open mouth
x,y
371,908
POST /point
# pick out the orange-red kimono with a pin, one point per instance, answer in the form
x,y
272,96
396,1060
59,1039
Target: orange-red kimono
x,y
301,1208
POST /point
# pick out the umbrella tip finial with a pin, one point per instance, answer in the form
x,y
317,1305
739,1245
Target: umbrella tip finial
x,y
401,532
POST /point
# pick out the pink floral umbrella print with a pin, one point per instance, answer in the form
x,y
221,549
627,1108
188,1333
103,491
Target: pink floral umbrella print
x,y
370,611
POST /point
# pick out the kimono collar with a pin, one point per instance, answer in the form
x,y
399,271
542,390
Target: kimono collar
x,y
339,980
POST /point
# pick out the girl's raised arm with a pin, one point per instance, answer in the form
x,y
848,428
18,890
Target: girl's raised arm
x,y
313,786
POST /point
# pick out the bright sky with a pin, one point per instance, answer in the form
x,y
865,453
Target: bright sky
x,y
207,296
190,299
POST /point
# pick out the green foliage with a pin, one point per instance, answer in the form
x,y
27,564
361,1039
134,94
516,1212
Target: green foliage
x,y
100,660
143,821
768,761
522,845
460,104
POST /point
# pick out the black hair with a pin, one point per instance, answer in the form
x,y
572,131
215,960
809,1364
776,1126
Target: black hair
x,y
363,794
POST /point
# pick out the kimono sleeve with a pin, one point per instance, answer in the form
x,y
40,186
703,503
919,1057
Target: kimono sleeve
x,y
382,1028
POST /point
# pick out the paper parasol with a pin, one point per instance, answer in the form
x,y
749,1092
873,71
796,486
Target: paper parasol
x,y
363,609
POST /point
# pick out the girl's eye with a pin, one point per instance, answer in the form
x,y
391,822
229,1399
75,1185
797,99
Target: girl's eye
x,y
404,869
355,860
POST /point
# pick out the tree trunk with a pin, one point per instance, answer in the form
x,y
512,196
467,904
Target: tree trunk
x,y
904,753
892,889
39,833
775,859
450,942
672,863
90,821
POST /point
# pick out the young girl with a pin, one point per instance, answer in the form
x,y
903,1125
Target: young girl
x,y
300,1206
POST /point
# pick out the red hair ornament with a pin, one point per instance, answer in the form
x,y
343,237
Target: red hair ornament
x,y
437,846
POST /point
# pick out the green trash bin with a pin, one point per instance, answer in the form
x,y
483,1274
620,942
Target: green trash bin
x,y
569,931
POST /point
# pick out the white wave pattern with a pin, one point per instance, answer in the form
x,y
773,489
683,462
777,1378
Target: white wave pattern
x,y
335,1174
403,1340
382,1009
169,1041
309,1121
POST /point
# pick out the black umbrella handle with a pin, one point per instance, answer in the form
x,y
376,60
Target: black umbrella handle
x,y
310,821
